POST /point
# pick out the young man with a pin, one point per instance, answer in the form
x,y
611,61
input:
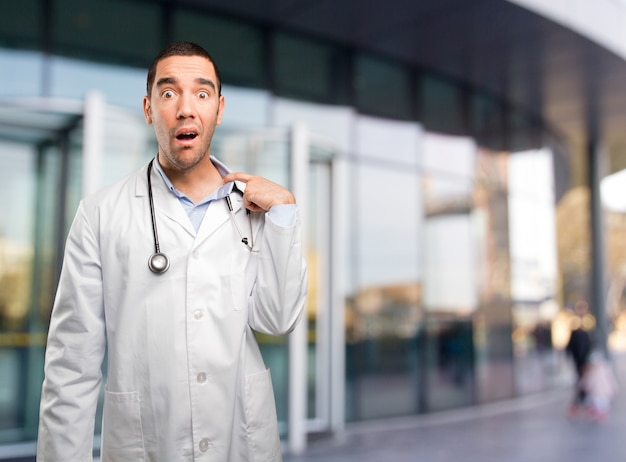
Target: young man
x,y
170,270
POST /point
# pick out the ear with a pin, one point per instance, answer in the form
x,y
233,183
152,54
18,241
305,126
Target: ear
x,y
220,109
147,110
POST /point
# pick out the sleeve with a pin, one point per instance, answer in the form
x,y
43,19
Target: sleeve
x,y
74,352
278,298
283,214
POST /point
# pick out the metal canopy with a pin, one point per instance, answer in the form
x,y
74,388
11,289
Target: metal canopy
x,y
494,45
36,121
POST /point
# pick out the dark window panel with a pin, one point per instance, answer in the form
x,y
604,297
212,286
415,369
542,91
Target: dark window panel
x,y
237,47
302,68
441,106
20,24
382,88
107,30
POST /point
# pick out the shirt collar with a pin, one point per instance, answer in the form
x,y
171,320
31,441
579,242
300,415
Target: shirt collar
x,y
219,193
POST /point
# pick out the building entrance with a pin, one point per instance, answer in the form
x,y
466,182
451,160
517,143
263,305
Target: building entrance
x,y
39,147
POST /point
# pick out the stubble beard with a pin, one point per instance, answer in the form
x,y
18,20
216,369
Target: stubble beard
x,y
181,160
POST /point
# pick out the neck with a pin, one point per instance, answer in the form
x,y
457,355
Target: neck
x,y
196,182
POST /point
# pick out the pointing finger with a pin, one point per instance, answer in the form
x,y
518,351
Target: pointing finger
x,y
237,176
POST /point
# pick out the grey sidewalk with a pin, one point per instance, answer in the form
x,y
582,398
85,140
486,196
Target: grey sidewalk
x,y
530,429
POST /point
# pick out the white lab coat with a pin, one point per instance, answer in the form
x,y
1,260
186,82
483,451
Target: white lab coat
x,y
186,380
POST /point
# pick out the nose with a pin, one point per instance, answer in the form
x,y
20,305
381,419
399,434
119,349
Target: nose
x,y
186,107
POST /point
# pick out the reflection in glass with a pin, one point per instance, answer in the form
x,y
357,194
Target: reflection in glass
x,y
492,320
534,281
384,313
451,251
16,272
27,253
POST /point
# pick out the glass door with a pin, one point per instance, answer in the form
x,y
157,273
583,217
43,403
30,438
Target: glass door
x,y
318,303
34,183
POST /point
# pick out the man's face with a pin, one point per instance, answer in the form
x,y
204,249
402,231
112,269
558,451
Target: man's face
x,y
184,107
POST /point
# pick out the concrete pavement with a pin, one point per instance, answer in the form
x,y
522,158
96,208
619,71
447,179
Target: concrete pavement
x,y
530,429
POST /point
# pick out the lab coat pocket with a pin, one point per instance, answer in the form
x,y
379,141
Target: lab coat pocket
x,y
233,283
122,434
262,425
240,278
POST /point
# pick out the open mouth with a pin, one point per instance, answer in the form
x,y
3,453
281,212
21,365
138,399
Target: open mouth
x,y
186,136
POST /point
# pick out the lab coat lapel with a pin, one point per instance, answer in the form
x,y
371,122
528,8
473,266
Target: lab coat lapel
x,y
165,203
217,215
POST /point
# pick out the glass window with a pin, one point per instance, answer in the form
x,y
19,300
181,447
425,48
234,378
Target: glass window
x,y
449,155
493,318
237,47
121,86
382,88
449,261
302,68
333,123
384,313
260,153
452,260
388,140
534,281
20,73
449,293
27,271
111,30
245,107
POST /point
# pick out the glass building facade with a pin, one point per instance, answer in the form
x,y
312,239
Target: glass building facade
x,y
431,207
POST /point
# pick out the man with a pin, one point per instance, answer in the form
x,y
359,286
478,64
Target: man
x,y
186,380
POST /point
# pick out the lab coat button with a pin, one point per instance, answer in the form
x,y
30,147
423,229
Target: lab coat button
x,y
197,314
201,377
195,254
204,444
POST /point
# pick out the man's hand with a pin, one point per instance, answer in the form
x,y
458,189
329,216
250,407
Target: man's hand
x,y
261,193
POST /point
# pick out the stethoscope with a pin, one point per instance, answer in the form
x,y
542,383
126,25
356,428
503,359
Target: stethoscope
x,y
158,262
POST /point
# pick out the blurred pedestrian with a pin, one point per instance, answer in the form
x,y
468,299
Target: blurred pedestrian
x,y
579,348
599,386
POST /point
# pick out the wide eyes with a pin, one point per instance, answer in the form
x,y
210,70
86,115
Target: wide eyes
x,y
202,95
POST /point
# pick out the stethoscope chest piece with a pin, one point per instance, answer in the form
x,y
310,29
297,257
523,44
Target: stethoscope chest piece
x,y
158,263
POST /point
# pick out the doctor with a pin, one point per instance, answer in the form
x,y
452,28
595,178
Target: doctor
x,y
186,380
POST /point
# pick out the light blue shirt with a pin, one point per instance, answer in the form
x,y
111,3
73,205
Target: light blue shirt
x,y
282,215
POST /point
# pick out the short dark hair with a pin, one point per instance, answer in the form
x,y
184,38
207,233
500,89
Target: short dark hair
x,y
180,49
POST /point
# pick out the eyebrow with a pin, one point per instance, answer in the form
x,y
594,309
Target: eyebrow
x,y
172,81
207,82
165,81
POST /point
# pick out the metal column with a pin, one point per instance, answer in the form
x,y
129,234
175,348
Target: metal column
x,y
298,338
597,303
93,142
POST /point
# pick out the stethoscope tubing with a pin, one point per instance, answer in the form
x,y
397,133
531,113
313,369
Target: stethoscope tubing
x,y
158,262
